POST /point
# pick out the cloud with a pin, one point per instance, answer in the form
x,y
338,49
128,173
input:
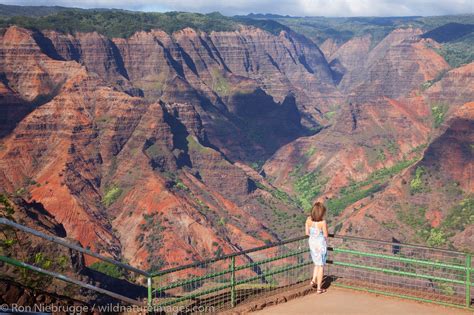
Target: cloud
x,y
291,7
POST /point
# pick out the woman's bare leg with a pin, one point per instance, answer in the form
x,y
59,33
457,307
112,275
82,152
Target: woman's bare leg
x,y
315,274
320,273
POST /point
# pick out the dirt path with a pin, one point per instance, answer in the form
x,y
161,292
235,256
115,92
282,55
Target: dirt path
x,y
351,302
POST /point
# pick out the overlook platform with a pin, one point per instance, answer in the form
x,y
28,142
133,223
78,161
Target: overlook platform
x,y
350,302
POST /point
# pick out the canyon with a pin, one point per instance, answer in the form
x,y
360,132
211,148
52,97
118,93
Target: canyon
x,y
161,149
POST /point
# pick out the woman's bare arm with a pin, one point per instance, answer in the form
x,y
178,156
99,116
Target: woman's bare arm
x,y
325,229
306,226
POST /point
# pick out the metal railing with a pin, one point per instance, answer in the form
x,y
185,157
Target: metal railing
x,y
402,270
61,275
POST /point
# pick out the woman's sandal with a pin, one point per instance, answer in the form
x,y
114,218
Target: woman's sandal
x,y
312,283
320,291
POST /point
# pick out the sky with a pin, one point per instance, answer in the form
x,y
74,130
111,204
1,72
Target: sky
x,y
283,7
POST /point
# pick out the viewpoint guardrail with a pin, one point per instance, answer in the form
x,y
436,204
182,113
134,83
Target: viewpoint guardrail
x,y
403,270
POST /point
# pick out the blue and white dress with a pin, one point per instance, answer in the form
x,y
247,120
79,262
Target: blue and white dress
x,y
317,245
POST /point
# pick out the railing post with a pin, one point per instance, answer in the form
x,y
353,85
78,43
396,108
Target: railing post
x,y
150,300
232,281
468,280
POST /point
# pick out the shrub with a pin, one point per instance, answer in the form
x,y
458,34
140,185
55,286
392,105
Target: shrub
x,y
460,216
416,184
111,195
439,112
7,207
437,238
181,186
108,269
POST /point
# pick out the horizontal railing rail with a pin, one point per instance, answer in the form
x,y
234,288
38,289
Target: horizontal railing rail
x,y
369,240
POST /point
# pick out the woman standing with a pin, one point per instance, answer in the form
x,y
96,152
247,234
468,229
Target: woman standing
x,y
317,230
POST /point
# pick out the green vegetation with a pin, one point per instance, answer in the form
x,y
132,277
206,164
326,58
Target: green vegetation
x,y
436,238
392,147
429,83
311,151
438,111
342,29
308,187
390,225
219,83
282,222
384,174
458,218
280,195
7,206
375,155
446,288
112,193
458,53
415,218
257,165
419,149
108,269
118,23
16,10
221,221
360,190
457,40
460,215
181,186
218,252
42,261
416,184
348,196
330,115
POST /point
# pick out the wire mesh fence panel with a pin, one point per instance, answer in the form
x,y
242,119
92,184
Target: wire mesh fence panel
x,y
233,280
425,273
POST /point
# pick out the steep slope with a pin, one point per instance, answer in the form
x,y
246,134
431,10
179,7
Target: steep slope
x,y
28,289
225,76
129,177
394,67
382,128
431,202
37,82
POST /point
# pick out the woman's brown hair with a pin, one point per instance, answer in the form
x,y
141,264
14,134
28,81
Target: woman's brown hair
x,y
317,212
